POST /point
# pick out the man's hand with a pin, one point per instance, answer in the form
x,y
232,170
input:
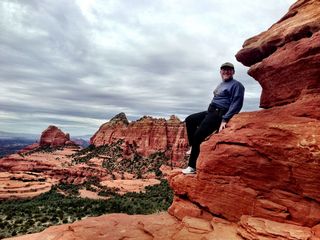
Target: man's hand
x,y
223,125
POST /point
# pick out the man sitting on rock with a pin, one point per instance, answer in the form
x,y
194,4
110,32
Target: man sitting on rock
x,y
227,101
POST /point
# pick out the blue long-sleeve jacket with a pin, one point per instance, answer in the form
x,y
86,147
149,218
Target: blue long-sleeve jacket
x,y
229,95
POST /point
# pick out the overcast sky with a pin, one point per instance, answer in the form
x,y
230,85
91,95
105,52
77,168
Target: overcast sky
x,y
77,63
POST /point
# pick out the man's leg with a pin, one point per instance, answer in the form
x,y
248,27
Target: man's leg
x,y
192,123
210,123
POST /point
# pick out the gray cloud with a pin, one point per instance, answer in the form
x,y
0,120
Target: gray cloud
x,y
76,63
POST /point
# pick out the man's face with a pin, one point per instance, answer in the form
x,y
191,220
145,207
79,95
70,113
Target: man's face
x,y
226,73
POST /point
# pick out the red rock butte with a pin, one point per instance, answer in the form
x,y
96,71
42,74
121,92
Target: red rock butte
x,y
148,134
54,137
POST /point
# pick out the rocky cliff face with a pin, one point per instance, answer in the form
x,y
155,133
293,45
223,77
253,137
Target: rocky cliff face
x,y
285,59
148,134
266,164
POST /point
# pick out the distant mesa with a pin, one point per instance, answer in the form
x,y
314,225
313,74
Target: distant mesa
x,y
51,137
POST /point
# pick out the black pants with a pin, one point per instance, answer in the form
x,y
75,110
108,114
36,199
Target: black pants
x,y
199,126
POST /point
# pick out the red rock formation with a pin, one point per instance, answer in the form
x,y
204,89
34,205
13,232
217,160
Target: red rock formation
x,y
262,172
148,134
286,59
163,226
54,137
266,163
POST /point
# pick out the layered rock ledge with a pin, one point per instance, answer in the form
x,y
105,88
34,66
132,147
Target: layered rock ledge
x,y
163,226
265,164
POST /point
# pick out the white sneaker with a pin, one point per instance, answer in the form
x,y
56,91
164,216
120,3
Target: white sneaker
x,y
188,152
189,170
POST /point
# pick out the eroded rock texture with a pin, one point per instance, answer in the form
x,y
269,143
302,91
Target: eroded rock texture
x,y
266,163
286,58
260,175
148,134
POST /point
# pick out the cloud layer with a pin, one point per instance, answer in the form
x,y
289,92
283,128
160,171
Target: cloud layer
x,y
77,63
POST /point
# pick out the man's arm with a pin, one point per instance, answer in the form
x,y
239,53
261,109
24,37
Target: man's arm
x,y
235,106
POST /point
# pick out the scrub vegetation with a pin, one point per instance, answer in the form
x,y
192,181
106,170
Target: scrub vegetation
x,y
18,217
114,160
63,204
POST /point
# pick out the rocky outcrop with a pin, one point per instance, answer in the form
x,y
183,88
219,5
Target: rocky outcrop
x,y
54,137
148,134
266,163
286,58
163,226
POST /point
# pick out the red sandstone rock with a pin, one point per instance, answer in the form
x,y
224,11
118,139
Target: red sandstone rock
x,y
57,167
181,208
54,167
163,226
131,185
23,185
148,134
29,148
262,172
259,228
274,73
54,137
301,21
266,163
316,231
286,58
121,226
